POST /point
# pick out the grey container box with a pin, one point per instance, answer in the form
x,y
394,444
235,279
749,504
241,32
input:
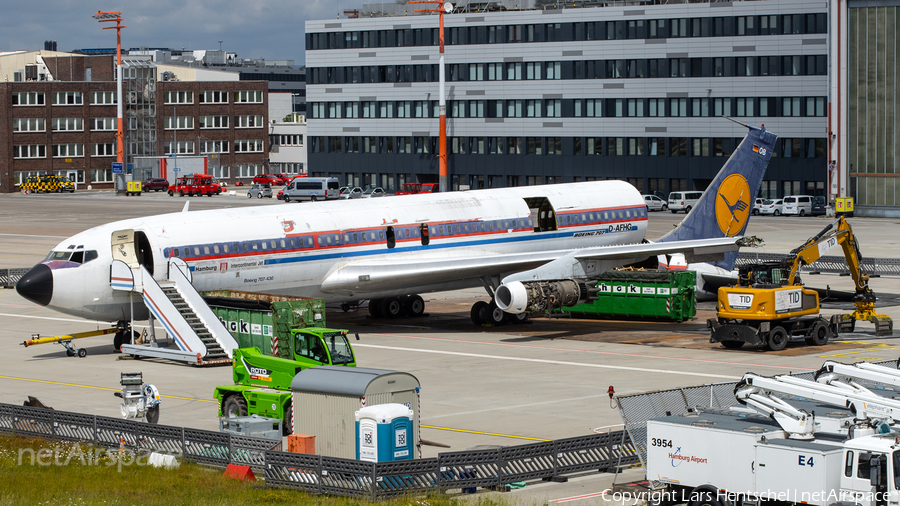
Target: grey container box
x,y
253,426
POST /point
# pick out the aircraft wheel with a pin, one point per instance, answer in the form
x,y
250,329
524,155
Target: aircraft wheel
x,y
479,312
375,308
118,339
345,307
391,307
517,318
234,406
495,315
82,353
414,305
778,339
153,414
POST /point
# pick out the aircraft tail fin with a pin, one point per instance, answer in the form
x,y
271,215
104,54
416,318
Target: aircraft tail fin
x,y
725,208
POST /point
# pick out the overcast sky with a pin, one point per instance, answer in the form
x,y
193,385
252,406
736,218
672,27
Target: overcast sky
x,y
270,29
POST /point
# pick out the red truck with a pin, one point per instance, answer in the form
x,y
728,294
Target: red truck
x,y
195,184
414,188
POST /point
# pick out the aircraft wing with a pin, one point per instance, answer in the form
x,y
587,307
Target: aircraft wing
x,y
385,275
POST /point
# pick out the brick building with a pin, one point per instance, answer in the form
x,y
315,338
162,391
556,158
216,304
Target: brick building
x,y
61,118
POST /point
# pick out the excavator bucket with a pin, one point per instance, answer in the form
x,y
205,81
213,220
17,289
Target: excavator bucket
x,y
884,326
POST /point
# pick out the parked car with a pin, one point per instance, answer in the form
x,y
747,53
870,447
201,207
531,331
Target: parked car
x,y
156,184
757,205
259,191
269,179
351,193
374,192
285,178
772,207
683,201
797,204
280,195
819,206
655,203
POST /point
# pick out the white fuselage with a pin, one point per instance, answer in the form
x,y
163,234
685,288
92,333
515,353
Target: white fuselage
x,y
303,249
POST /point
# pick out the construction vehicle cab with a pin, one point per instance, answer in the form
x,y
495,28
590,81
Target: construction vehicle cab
x,y
770,307
262,383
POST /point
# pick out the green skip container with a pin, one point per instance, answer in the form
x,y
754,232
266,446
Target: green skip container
x,y
642,295
265,320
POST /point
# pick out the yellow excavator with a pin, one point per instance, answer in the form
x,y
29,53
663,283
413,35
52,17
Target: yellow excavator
x,y
770,307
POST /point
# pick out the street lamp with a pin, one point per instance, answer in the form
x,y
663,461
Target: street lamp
x,y
443,7
106,17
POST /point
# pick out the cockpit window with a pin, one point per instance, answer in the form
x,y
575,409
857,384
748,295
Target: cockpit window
x,y
59,255
78,256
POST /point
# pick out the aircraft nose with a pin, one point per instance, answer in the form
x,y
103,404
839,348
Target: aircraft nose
x,y
37,285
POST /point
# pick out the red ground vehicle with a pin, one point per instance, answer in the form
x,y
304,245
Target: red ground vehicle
x,y
269,179
285,178
195,184
414,188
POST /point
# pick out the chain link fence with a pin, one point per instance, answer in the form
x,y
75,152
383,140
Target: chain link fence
x,y
496,467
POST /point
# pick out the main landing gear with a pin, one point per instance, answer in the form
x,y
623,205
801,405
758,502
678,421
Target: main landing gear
x,y
122,336
487,313
395,307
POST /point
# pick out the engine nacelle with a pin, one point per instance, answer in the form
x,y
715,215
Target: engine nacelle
x,y
534,296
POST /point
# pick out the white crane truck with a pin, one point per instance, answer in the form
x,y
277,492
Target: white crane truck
x,y
826,442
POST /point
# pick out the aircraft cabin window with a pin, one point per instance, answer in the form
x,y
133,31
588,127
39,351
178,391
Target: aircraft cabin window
x,y
254,245
173,252
90,255
216,249
628,214
196,250
246,246
457,229
407,232
77,257
225,248
206,250
262,244
59,255
273,245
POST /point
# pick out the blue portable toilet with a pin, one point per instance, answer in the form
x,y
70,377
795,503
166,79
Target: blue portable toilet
x,y
384,433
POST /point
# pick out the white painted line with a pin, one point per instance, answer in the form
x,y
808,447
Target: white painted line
x,y
554,362
577,497
76,320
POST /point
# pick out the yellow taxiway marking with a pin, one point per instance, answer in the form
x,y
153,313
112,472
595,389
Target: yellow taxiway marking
x,y
483,433
206,400
855,354
97,388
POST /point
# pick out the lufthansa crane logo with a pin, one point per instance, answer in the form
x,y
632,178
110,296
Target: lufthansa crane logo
x,y
733,205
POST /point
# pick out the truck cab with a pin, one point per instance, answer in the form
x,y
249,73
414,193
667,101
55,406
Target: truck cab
x,y
869,476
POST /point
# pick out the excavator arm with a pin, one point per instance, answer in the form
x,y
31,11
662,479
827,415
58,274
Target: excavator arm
x,y
840,233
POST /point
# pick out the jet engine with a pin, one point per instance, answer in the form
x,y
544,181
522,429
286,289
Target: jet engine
x,y
533,296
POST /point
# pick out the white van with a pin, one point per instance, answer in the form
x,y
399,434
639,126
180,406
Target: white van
x,y
683,201
312,189
797,204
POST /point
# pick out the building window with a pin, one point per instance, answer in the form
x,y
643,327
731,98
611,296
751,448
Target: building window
x,y
513,71
815,106
677,107
248,97
552,70
554,108
68,150
30,151
533,108
183,147
514,145
368,109
554,145
533,70
178,97
614,146
657,146
249,146
404,109
595,145
214,147
513,108
533,145
67,124
494,71
178,122
370,145
28,98
66,98
102,124
722,107
213,97
699,107
386,109
421,109
790,106
635,146
101,175
701,147
29,125
249,170
476,72
744,107
351,109
250,121
636,107
103,98
209,122
678,146
104,149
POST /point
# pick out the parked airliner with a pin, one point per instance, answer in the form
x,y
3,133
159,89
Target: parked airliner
x,y
531,247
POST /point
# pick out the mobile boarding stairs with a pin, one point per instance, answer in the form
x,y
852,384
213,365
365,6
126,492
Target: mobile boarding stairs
x,y
199,336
